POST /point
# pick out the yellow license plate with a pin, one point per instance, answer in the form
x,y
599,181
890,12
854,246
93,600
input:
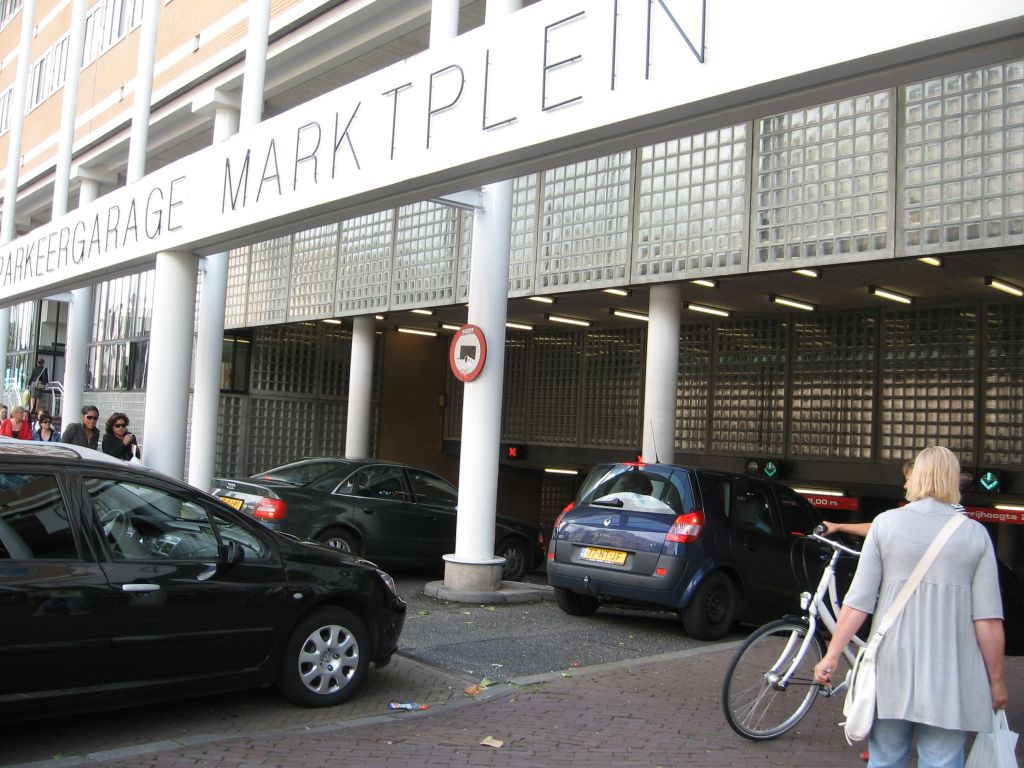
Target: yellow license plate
x,y
598,555
233,503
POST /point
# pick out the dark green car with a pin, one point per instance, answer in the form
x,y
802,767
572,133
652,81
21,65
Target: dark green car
x,y
393,514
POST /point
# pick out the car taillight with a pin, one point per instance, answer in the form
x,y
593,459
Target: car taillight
x,y
686,528
558,520
270,509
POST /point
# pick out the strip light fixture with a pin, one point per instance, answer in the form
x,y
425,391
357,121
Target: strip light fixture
x,y
568,320
628,315
560,471
332,321
884,293
1005,287
542,299
707,310
416,331
931,261
518,326
794,303
450,326
380,317
427,312
1010,507
819,492
704,282
814,273
618,291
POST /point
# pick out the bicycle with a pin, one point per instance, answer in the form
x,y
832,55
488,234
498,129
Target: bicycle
x,y
769,685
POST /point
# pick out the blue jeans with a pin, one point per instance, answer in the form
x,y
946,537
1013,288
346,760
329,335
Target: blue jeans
x,y
889,745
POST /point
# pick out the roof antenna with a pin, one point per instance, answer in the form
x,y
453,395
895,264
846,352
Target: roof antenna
x,y
654,442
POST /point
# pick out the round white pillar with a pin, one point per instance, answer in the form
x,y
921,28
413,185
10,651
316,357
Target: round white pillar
x,y
662,374
170,362
360,387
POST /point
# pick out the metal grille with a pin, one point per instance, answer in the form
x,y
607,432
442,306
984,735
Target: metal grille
x,y
1004,385
269,272
237,300
612,396
279,431
425,255
515,395
313,275
750,388
833,375
554,384
364,264
691,206
692,391
928,379
963,170
231,427
284,359
523,248
586,219
823,183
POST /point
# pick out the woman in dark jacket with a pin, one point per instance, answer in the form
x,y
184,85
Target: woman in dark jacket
x,y
117,440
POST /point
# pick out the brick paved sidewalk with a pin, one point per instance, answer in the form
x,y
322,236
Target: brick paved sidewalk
x,y
661,711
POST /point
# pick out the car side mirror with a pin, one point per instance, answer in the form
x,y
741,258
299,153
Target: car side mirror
x,y
233,552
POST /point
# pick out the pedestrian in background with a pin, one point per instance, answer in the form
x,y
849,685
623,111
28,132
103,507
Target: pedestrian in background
x,y
44,430
37,381
17,425
3,412
941,667
84,433
117,440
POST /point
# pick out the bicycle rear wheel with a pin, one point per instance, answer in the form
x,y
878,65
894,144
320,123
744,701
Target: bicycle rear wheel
x,y
757,704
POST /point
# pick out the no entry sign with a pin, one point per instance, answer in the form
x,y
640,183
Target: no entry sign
x,y
467,353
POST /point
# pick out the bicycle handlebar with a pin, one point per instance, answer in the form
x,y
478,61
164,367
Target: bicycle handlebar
x,y
816,535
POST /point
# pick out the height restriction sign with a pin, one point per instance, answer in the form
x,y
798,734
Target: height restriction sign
x,y
467,353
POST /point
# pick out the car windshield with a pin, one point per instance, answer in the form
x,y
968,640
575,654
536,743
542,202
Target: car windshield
x,y
299,472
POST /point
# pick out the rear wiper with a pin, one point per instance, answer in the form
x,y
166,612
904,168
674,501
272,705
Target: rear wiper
x,y
607,503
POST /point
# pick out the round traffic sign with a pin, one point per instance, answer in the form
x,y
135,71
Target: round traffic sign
x,y
467,353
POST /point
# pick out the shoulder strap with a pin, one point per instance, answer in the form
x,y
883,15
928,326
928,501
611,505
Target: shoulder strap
x,y
917,574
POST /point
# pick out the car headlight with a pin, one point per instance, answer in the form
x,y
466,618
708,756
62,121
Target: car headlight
x,y
388,582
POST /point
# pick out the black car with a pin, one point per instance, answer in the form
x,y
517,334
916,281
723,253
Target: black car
x,y
715,547
396,515
117,580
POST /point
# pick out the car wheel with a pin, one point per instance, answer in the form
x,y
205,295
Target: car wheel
x,y
712,611
517,559
339,539
574,603
326,658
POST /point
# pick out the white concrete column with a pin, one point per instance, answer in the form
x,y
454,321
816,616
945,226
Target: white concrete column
x,y
255,73
69,110
360,387
212,304
170,362
143,98
662,373
444,21
76,349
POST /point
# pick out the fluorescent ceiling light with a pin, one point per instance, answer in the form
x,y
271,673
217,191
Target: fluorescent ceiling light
x,y
427,312
705,283
560,471
629,315
791,303
819,492
332,321
542,299
417,331
931,261
807,273
450,326
617,291
379,317
890,295
1010,507
518,326
706,310
568,320
1005,287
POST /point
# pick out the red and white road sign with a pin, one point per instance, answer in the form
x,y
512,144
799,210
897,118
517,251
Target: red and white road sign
x,y
467,353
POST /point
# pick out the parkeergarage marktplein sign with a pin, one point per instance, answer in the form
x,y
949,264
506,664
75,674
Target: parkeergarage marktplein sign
x,y
561,73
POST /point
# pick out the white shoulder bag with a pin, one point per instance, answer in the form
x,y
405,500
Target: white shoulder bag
x,y
859,705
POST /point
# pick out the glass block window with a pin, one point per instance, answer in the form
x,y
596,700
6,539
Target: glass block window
x,y
314,268
556,491
231,425
554,386
693,388
823,191
237,306
269,272
279,430
331,423
453,397
833,380
613,388
465,254
426,242
364,264
750,388
284,359
523,252
963,160
336,356
1004,385
586,218
691,206
515,393
928,375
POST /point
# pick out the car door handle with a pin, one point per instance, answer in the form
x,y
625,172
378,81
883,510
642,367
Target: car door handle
x,y
140,587
208,572
368,510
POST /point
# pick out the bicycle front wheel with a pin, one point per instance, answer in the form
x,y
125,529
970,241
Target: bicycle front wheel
x,y
769,685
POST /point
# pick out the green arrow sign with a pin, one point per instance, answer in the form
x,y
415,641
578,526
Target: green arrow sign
x,y
989,482
771,469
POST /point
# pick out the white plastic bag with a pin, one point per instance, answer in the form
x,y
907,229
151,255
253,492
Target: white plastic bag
x,y
995,749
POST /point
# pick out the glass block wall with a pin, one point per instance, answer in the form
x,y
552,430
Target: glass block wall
x,y
515,393
364,264
963,160
694,389
612,401
1003,385
691,217
523,247
426,251
269,279
553,410
236,308
313,273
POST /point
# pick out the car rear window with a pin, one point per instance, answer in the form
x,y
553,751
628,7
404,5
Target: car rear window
x,y
652,487
299,473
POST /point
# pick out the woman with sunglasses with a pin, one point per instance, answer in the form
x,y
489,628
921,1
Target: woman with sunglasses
x,y
84,433
44,430
117,440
